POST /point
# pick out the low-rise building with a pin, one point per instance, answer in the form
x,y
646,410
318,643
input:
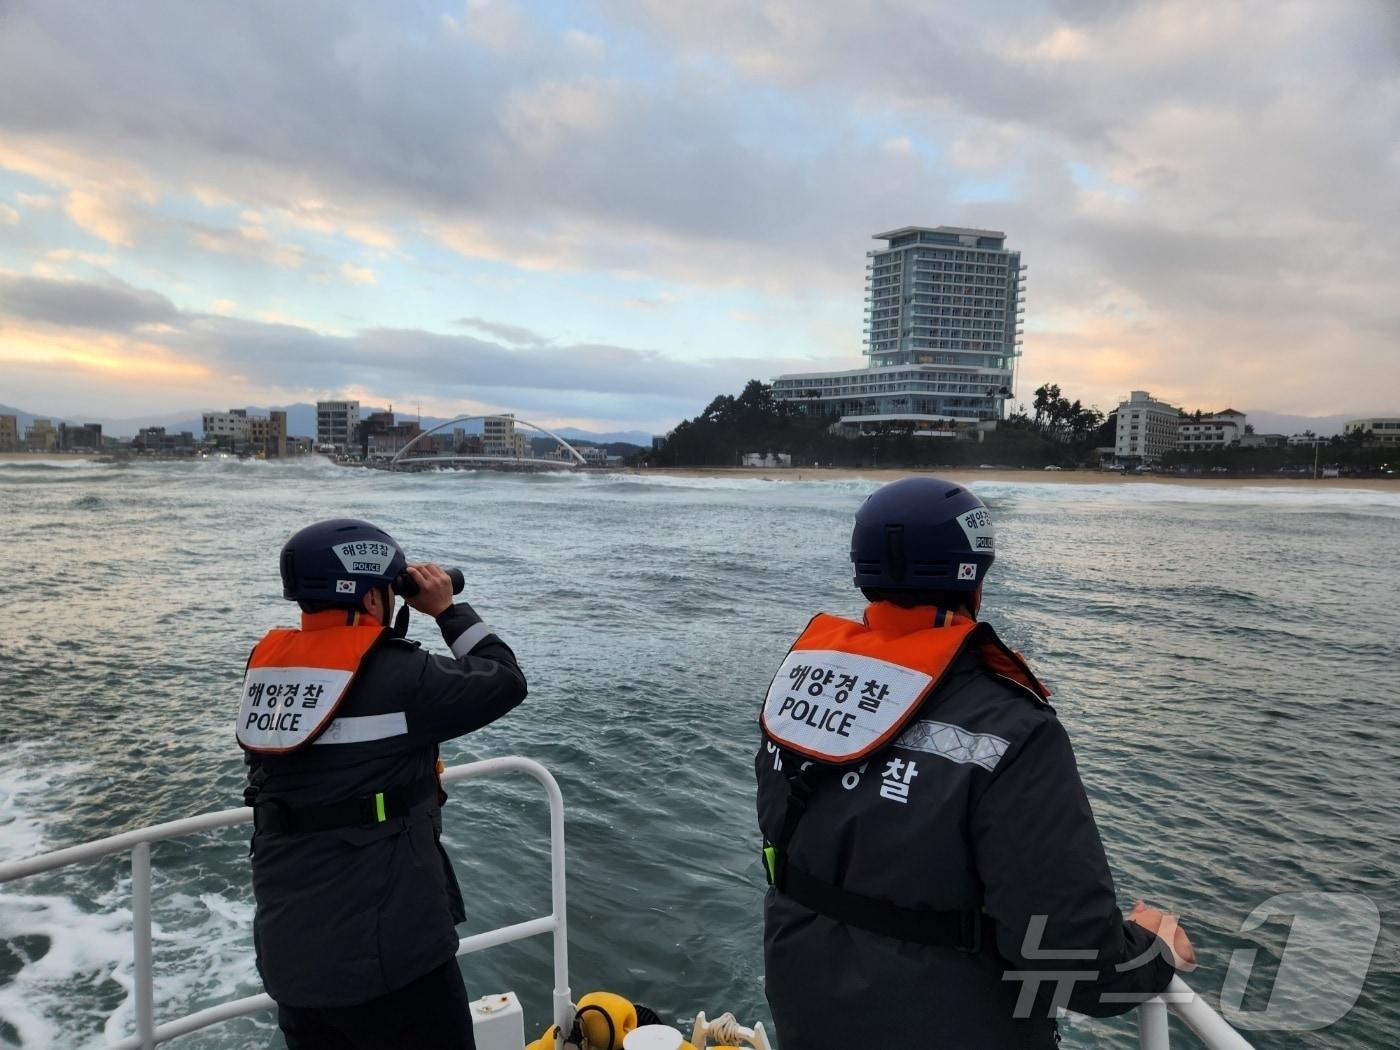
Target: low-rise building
x,y
1146,428
766,459
499,437
1263,441
1307,440
149,439
84,437
381,437
41,436
9,433
1217,430
228,430
268,436
155,439
1377,430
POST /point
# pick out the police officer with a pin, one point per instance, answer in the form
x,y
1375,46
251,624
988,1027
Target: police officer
x,y
340,722
936,876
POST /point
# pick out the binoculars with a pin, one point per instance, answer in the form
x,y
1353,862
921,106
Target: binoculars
x,y
406,586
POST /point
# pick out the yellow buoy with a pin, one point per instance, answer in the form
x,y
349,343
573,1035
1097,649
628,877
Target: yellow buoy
x,y
544,1042
596,1028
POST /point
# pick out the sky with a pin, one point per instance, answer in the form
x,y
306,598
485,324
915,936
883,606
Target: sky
x,y
603,214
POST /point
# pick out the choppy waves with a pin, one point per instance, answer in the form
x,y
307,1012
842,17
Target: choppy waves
x,y
1224,658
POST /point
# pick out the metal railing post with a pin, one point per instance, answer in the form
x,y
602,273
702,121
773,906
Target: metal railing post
x,y
1152,1026
563,1004
142,980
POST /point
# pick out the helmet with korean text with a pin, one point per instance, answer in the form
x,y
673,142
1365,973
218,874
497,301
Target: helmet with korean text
x,y
922,533
338,562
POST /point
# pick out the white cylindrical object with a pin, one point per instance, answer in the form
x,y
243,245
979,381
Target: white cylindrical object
x,y
1152,1026
142,981
653,1037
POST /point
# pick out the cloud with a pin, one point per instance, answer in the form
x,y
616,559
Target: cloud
x,y
357,274
588,45
8,216
554,379
101,216
252,240
112,305
1231,171
509,333
498,25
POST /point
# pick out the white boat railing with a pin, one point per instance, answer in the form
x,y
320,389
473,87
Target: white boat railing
x,y
1179,999
138,844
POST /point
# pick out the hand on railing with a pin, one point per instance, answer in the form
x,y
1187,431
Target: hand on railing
x,y
1166,926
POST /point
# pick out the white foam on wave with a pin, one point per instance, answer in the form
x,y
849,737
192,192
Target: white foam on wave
x,y
24,780
766,483
78,932
46,463
1283,497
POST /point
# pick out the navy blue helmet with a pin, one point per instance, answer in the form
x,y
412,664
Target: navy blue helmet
x,y
339,562
922,534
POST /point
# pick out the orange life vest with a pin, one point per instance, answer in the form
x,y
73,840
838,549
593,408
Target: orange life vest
x,y
296,679
846,689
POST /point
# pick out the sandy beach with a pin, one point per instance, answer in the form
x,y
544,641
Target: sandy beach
x,y
1024,477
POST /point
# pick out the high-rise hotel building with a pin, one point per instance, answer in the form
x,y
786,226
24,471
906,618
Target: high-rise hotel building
x,y
942,316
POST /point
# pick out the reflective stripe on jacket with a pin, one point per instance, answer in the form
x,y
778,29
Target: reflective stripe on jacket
x,y
347,915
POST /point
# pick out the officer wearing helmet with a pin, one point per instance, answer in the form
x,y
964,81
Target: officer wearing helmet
x,y
340,722
936,876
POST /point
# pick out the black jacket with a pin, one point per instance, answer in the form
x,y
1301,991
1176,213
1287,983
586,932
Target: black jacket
x,y
347,915
993,816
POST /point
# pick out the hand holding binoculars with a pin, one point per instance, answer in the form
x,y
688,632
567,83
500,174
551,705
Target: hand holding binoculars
x,y
406,586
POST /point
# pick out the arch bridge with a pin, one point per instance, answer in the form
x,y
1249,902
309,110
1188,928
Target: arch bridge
x,y
503,460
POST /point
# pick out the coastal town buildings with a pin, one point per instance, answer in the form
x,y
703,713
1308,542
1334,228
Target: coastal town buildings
x,y
1146,428
337,425
1217,430
1377,430
156,440
9,433
943,310
237,431
383,438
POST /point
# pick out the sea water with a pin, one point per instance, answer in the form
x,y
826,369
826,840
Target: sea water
x,y
1225,660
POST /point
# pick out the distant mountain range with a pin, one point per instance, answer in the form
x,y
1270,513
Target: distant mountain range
x,y
301,420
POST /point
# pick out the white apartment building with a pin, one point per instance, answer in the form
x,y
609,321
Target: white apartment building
x,y
337,424
943,313
1381,430
1146,428
229,428
1217,430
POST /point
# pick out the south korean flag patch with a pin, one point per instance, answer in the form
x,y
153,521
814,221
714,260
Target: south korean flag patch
x,y
344,586
967,570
